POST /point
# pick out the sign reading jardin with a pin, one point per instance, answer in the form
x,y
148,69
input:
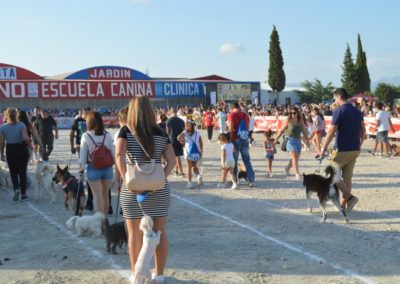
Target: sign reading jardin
x,y
114,74
180,89
108,73
8,73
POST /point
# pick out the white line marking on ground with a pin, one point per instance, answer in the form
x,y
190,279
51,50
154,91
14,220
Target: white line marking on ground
x,y
116,268
276,241
333,222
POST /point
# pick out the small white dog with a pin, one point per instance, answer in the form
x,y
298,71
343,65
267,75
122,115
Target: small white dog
x,y
44,180
150,242
87,224
5,178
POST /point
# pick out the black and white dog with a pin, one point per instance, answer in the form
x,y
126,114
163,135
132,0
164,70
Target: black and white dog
x,y
326,190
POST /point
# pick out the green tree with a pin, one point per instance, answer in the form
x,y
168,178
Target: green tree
x,y
349,75
387,93
316,92
363,79
276,75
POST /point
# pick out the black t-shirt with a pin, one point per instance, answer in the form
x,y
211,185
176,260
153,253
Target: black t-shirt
x,y
79,127
45,125
176,126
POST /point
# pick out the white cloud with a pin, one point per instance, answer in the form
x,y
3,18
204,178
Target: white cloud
x,y
230,48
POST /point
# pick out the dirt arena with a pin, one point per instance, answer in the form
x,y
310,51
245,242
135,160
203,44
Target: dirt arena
x,y
262,235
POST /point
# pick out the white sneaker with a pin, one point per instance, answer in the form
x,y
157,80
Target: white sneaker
x,y
157,278
132,278
200,180
297,177
234,186
190,185
221,185
270,175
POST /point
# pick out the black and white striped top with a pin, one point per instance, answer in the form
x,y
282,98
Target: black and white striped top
x,y
157,203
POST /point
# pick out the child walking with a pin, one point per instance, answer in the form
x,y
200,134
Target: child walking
x,y
193,150
227,161
270,150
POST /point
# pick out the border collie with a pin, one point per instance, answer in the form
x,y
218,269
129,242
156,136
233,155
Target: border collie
x,y
326,190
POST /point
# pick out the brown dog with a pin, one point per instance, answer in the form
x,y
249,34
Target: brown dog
x,y
395,149
74,192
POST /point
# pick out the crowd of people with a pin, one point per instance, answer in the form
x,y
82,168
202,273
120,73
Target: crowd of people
x,y
168,135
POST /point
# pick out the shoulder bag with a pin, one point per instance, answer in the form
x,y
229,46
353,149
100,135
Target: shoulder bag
x,y
145,177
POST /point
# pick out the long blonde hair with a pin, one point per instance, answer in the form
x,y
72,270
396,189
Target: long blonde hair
x,y
142,120
10,115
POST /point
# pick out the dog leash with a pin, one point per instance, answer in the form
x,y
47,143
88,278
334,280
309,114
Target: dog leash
x,y
116,212
140,198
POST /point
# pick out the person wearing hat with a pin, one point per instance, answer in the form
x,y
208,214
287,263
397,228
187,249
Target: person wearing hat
x,y
46,124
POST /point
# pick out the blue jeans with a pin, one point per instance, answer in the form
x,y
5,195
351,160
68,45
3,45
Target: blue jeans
x,y
242,146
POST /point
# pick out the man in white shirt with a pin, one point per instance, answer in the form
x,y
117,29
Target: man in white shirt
x,y
383,123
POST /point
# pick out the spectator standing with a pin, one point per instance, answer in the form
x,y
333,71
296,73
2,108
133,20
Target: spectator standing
x,y
175,126
46,124
142,121
99,180
14,138
209,122
383,124
221,116
241,145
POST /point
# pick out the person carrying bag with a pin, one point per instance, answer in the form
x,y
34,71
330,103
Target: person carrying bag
x,y
144,177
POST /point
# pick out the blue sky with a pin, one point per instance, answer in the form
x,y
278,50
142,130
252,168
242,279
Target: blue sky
x,y
191,38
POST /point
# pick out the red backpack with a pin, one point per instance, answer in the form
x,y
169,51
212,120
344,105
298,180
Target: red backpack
x,y
101,156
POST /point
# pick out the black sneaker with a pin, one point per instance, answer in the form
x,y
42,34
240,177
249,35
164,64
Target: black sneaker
x,y
110,211
17,194
89,207
24,197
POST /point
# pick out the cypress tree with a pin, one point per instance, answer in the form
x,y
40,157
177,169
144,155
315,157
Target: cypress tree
x,y
276,75
364,82
349,76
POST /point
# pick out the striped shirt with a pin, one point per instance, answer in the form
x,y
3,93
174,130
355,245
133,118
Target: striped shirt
x,y
156,203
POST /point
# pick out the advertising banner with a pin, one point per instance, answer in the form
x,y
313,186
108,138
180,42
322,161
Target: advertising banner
x,y
263,123
179,89
66,89
232,91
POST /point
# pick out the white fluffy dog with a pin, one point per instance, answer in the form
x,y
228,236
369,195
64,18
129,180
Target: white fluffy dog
x,y
87,224
5,178
44,180
150,242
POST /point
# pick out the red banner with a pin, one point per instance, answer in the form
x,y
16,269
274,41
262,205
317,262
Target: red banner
x,y
68,89
263,123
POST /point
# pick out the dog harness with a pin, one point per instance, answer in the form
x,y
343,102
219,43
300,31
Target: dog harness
x,y
65,184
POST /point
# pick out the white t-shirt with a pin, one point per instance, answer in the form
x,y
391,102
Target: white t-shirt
x,y
251,123
228,147
383,117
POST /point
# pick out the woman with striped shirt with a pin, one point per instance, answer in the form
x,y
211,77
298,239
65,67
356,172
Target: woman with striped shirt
x,y
141,120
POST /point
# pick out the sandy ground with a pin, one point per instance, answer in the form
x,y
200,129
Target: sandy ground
x,y
262,235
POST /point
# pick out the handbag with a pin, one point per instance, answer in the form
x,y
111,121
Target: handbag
x,y
145,177
284,142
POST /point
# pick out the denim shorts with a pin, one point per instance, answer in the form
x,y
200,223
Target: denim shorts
x,y
269,156
99,174
293,145
383,136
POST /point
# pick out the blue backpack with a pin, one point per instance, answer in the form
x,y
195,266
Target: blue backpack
x,y
242,131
